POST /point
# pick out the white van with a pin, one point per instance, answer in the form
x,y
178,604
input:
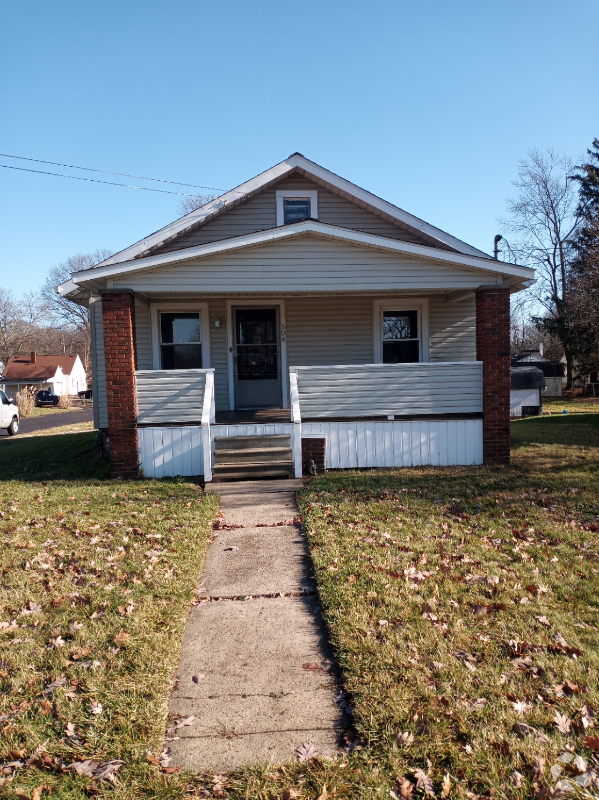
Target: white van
x,y
9,415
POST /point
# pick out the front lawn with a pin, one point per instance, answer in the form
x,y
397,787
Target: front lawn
x,y
97,579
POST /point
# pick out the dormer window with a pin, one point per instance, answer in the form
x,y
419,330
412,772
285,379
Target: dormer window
x,y
296,206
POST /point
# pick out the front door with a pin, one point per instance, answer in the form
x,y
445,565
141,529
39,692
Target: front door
x,y
257,371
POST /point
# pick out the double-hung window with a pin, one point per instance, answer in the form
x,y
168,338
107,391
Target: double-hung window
x,y
401,330
180,340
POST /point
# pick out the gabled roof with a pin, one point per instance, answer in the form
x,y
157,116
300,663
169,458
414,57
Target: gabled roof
x,y
20,368
515,274
296,163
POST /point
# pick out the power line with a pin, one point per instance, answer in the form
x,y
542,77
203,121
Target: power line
x,y
109,172
95,180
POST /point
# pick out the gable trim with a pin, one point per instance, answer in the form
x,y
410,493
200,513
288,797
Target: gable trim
x,y
252,187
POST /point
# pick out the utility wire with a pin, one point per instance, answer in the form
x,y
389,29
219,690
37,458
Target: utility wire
x,y
95,180
109,172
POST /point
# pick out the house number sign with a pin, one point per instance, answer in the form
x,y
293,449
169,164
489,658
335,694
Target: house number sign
x,y
283,331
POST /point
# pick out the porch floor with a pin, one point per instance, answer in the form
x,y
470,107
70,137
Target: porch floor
x,y
253,415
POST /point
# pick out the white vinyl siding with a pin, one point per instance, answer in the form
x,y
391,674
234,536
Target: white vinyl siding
x,y
307,263
170,396
328,330
452,330
143,339
98,363
259,213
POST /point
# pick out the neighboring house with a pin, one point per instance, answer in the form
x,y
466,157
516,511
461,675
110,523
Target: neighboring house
x,y
302,307
552,370
528,385
63,375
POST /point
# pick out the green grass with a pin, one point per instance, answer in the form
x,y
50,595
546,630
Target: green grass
x,y
573,405
120,559
458,562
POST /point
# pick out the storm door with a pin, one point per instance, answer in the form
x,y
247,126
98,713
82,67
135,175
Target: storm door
x,y
257,370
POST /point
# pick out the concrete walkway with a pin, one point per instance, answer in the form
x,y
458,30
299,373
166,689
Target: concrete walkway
x,y
256,673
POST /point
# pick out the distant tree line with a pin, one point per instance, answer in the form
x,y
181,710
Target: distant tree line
x,y
553,226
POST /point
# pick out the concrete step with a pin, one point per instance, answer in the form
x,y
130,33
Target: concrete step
x,y
249,442
262,455
254,469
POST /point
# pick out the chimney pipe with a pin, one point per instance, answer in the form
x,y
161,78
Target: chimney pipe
x,y
33,357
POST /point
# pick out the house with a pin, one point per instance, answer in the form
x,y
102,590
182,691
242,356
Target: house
x,y
303,311
552,370
527,384
63,375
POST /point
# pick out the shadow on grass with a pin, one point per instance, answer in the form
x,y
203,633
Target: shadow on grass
x,y
74,456
566,429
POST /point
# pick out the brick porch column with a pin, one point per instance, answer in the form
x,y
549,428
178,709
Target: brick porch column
x,y
493,349
118,316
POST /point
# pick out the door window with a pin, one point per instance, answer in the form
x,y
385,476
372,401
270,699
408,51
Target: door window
x,y
256,340
180,340
401,337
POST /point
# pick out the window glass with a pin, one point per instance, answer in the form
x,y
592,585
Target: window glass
x,y
296,210
180,340
4,399
400,337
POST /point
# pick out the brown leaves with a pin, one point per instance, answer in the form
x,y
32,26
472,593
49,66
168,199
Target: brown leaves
x,y
446,785
424,783
56,684
563,723
306,752
522,730
592,742
126,611
404,739
122,637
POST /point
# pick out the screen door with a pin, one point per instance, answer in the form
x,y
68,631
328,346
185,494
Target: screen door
x,y
257,373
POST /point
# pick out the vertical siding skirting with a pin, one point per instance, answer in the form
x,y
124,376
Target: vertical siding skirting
x,y
171,451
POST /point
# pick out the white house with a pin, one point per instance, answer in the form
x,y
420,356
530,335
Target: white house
x,y
308,313
63,375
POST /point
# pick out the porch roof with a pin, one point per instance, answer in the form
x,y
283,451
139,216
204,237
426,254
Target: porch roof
x,y
98,277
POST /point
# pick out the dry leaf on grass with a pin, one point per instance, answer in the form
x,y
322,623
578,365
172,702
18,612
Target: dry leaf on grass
x,y
563,723
307,751
424,783
405,788
56,684
446,785
75,626
96,708
538,766
404,739
290,794
521,729
516,778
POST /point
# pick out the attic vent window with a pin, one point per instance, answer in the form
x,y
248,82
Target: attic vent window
x,y
296,206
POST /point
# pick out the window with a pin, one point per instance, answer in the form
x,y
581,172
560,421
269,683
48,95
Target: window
x,y
180,340
295,210
4,399
401,343
296,206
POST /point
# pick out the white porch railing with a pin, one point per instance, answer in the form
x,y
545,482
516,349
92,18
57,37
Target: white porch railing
x,y
382,390
167,397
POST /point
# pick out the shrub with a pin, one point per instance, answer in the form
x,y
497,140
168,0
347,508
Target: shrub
x,y
25,400
64,401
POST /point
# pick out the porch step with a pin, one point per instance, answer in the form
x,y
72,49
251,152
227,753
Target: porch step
x,y
253,456
243,442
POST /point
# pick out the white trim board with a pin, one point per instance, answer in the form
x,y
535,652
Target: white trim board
x,y
186,306
308,227
255,185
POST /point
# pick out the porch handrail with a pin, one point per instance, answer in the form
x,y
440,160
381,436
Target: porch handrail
x,y
296,419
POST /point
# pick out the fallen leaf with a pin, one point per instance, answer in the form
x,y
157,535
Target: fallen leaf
x,y
538,766
424,783
324,794
516,778
592,742
53,644
543,620
290,794
446,785
406,788
197,678
311,665
306,752
563,723
56,684
404,739
126,611
522,729
121,637
96,708
75,626
522,707
183,723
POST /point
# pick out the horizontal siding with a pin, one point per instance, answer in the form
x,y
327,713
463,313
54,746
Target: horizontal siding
x,y
358,445
403,389
98,363
306,263
335,330
143,340
452,330
168,452
170,395
259,213
218,353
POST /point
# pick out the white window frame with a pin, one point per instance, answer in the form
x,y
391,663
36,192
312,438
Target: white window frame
x,y
418,304
295,194
186,308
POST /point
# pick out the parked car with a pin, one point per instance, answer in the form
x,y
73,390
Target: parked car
x,y
9,414
86,394
46,398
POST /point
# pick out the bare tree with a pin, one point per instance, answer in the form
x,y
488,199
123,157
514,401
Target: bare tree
x,y
71,318
18,321
542,224
192,202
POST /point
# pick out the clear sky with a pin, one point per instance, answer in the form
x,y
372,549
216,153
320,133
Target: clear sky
x,y
428,104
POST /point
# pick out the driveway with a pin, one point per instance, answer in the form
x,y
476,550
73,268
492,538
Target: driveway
x,y
30,424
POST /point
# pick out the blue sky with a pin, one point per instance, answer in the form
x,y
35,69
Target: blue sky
x,y
428,104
